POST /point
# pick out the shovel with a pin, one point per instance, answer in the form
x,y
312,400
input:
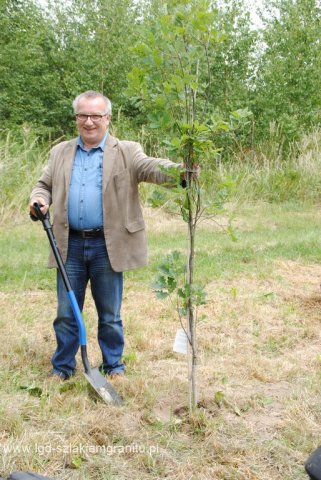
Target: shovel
x,y
313,465
99,383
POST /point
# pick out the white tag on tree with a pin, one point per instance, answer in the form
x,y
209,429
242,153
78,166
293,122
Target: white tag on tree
x,y
181,342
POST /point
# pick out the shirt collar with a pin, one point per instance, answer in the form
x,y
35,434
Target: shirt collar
x,y
101,145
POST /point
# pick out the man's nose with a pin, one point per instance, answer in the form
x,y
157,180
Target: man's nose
x,y
89,120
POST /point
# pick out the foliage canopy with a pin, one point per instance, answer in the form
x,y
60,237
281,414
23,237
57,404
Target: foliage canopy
x,y
49,55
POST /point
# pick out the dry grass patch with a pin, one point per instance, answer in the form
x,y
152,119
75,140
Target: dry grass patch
x,y
259,387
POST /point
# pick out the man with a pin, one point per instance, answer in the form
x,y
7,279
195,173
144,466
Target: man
x,y
92,182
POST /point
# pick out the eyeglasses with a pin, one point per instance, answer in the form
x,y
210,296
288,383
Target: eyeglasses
x,y
94,118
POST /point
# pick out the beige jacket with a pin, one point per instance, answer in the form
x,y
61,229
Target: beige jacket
x,y
125,165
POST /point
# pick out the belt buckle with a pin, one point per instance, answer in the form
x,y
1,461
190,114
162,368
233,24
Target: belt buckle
x,y
88,233
91,233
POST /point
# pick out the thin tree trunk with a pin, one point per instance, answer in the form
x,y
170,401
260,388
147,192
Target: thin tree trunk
x,y
191,320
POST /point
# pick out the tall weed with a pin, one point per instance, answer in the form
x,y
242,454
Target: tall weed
x,y
21,160
275,175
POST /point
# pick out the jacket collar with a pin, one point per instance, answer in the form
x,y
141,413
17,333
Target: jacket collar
x,y
68,160
110,156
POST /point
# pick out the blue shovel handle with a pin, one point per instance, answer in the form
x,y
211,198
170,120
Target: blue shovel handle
x,y
45,219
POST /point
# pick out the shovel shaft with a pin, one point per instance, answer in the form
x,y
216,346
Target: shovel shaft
x,y
62,269
78,316
70,292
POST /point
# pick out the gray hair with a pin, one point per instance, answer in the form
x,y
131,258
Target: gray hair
x,y
92,94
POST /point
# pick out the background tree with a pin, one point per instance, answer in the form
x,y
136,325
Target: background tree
x,y
232,69
232,58
48,57
94,38
288,78
29,85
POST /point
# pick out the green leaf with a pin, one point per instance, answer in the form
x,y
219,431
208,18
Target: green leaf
x,y
159,284
199,294
161,295
157,199
76,462
182,293
185,214
232,233
219,398
172,284
159,119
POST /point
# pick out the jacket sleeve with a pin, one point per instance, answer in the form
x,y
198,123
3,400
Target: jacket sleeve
x,y
153,170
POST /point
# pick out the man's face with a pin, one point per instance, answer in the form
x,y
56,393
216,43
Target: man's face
x,y
92,132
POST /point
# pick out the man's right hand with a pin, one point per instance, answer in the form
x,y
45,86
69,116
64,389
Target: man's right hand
x,y
44,207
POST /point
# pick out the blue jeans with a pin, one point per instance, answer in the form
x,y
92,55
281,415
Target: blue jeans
x,y
88,260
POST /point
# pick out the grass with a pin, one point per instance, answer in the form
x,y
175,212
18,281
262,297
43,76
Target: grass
x,y
259,373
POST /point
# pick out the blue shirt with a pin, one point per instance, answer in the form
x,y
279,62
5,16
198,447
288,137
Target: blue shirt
x,y
85,209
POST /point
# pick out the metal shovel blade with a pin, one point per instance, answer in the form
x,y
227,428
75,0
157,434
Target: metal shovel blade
x,y
104,389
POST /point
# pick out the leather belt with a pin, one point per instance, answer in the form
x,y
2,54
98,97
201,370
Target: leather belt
x,y
91,233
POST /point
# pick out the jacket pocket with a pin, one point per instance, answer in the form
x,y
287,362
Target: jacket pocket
x,y
135,226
